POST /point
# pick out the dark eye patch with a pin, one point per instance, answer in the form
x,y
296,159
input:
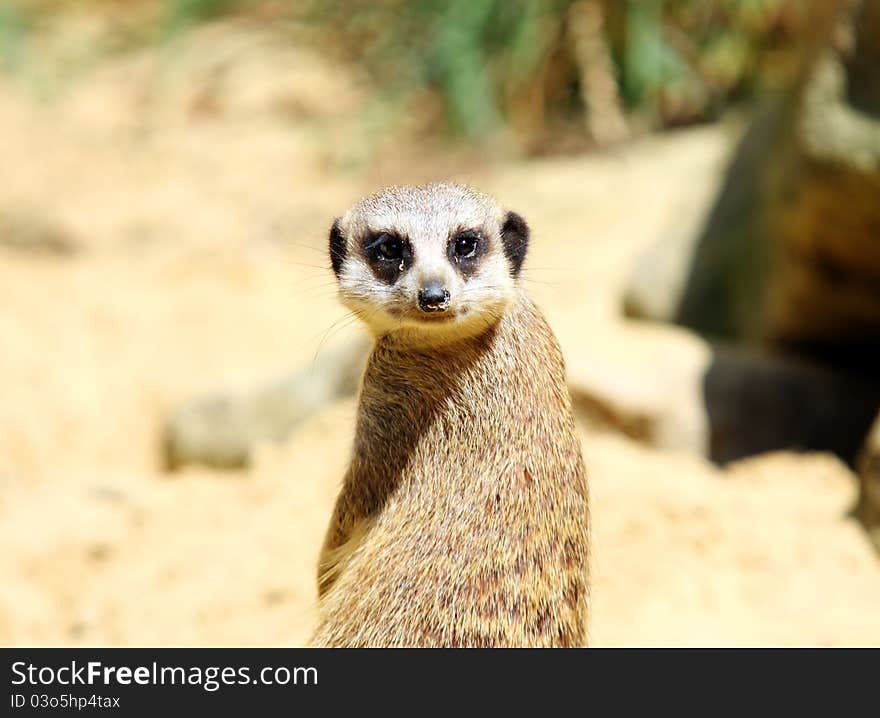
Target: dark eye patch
x,y
388,254
465,249
515,240
337,248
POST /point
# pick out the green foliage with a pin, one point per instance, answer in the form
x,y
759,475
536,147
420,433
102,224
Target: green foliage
x,y
467,51
674,60
645,62
456,61
476,50
182,14
493,63
13,36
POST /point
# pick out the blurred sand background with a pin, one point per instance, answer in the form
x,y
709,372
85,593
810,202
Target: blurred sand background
x,y
189,218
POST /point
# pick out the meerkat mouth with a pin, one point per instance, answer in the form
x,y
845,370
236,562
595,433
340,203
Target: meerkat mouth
x,y
459,315
435,319
420,317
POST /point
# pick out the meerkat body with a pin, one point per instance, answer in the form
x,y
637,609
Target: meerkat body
x,y
463,517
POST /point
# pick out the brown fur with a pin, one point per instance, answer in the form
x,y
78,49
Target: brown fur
x,y
463,517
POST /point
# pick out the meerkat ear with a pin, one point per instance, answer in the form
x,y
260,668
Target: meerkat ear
x,y
515,237
337,248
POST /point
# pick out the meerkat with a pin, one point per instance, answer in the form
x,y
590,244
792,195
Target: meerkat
x,y
463,517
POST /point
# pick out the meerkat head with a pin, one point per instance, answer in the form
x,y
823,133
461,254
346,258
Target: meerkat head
x,y
431,263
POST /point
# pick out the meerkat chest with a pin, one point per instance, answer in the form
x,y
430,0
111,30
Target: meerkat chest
x,y
450,412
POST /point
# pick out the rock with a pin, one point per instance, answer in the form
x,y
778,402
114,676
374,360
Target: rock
x,y
719,402
787,265
214,430
25,230
222,430
663,407
655,289
790,254
759,402
656,284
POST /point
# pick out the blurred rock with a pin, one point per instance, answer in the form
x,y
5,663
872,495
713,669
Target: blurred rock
x,y
30,232
655,288
868,509
663,407
790,253
223,430
719,402
787,264
759,402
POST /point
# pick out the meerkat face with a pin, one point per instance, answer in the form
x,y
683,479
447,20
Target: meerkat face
x,y
432,263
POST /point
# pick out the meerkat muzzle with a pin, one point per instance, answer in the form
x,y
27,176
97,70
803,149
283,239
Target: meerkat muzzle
x,y
433,298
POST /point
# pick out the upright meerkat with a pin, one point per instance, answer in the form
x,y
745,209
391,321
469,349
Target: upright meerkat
x,y
463,518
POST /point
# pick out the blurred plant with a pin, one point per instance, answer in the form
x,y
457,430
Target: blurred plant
x,y
476,56
180,15
14,30
547,69
683,60
473,54
512,61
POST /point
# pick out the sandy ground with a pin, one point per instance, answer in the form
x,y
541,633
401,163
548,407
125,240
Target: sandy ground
x,y
198,192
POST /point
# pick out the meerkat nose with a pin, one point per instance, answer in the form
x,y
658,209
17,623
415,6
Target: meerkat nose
x,y
433,297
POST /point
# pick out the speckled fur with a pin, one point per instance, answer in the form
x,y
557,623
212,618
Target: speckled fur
x,y
463,517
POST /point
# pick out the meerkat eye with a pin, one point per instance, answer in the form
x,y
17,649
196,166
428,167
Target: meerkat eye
x,y
387,247
465,245
391,248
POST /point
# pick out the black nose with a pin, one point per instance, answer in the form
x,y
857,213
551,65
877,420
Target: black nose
x,y
433,298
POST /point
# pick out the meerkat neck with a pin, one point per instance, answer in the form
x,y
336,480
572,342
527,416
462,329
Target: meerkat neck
x,y
418,400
